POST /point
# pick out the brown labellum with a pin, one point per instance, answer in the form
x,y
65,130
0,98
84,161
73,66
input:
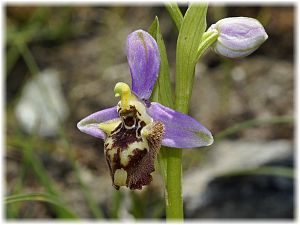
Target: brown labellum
x,y
131,150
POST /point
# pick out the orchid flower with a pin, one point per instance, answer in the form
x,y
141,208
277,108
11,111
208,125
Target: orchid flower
x,y
134,130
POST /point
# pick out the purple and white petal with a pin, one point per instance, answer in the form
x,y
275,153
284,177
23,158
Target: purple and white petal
x,y
181,131
144,60
90,124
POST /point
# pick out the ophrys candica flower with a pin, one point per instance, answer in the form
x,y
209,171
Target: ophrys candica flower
x,y
134,130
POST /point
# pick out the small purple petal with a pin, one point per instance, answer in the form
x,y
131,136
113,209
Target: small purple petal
x,y
143,59
181,131
89,124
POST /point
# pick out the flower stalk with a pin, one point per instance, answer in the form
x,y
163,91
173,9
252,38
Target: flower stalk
x,y
189,39
174,201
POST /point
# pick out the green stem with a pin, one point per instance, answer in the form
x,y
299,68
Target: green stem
x,y
28,57
207,40
192,42
191,29
43,197
174,201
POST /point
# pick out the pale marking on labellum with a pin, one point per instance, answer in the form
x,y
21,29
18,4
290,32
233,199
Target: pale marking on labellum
x,y
124,156
120,177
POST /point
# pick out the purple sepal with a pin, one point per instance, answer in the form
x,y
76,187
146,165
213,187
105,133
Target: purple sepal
x,y
89,124
143,59
181,131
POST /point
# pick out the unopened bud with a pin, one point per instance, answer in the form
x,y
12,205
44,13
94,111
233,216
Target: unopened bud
x,y
238,36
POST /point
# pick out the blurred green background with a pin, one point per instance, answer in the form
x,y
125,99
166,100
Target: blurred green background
x,y
61,64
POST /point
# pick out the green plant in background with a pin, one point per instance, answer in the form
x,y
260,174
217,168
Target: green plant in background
x,y
36,28
134,131
18,39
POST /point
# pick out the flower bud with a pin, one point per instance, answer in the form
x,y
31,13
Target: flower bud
x,y
238,36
